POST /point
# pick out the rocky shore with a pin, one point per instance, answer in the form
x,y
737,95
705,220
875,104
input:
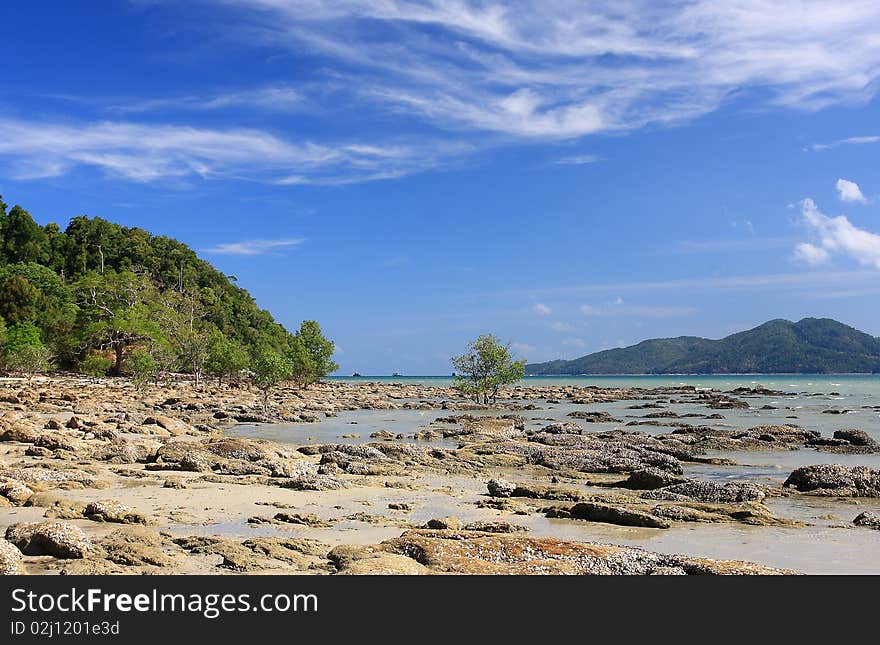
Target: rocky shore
x,y
98,477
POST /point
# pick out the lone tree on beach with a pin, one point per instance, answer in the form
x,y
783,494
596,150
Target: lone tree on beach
x,y
485,368
270,369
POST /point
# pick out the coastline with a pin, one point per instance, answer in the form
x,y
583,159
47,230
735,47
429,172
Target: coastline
x,y
165,480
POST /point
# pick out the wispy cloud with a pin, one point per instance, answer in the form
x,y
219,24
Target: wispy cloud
x,y
577,160
849,191
804,280
275,98
145,152
555,69
850,141
837,236
253,247
561,326
542,309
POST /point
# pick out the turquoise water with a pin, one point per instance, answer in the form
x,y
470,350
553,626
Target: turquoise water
x,y
867,385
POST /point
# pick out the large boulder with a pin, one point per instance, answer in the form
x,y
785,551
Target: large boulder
x,y
708,491
500,488
472,552
650,479
613,514
835,480
55,538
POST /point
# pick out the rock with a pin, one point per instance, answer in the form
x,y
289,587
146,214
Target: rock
x,y
835,480
384,435
610,514
10,559
137,547
15,491
707,491
471,552
650,479
500,488
400,506
552,493
175,483
113,511
313,482
120,451
496,527
856,438
304,519
567,427
443,523
55,538
367,560
868,519
175,427
593,417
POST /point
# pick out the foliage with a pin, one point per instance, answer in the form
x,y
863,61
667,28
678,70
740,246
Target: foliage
x,y
24,351
142,366
311,354
485,368
226,358
95,364
270,369
99,287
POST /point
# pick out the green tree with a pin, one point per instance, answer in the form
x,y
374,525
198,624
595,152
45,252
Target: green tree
x,y
117,311
25,351
485,368
311,354
142,367
95,364
19,299
270,369
23,239
226,358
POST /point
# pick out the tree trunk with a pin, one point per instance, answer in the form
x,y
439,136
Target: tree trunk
x,y
119,348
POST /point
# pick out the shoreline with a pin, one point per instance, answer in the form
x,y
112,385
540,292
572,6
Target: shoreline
x,y
161,481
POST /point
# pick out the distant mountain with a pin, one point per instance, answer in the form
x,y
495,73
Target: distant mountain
x,y
811,346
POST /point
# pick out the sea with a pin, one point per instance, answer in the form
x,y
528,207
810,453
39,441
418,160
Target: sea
x,y
827,402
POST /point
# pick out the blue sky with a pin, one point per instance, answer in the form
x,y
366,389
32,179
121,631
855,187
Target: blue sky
x,y
570,176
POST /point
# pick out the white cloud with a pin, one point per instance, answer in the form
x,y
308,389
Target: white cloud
x,y
850,141
837,235
811,254
280,98
849,191
577,160
561,326
542,310
580,343
253,247
146,152
561,69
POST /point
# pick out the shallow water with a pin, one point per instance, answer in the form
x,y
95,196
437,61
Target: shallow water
x,y
829,545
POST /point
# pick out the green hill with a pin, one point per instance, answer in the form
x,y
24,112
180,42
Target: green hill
x,y
811,346
96,286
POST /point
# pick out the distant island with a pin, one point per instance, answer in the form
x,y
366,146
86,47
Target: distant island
x,y
811,346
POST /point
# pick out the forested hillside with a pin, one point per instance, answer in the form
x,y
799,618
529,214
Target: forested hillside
x,y
96,296
811,346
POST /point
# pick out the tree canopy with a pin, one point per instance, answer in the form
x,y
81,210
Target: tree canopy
x,y
97,291
485,368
